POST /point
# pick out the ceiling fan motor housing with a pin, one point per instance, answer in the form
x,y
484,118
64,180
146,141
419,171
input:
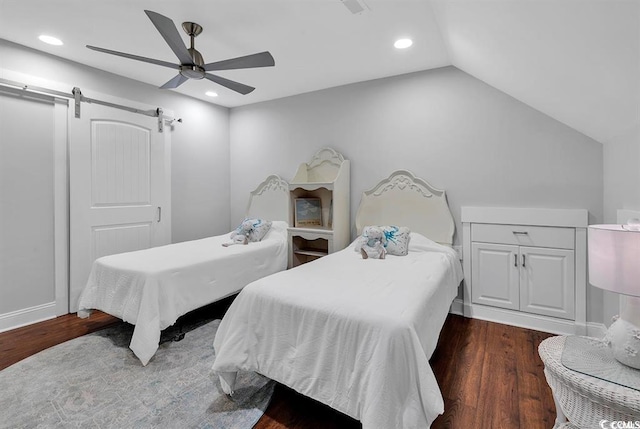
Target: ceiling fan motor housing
x,y
192,71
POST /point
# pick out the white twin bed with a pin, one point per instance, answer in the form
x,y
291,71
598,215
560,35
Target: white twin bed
x,y
151,288
353,333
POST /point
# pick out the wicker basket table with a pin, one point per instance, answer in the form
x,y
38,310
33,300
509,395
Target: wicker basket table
x,y
583,400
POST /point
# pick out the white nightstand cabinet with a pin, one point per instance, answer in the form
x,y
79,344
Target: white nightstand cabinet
x,y
327,178
526,267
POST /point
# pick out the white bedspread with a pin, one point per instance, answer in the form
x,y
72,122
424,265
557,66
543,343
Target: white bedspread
x,y
354,334
151,288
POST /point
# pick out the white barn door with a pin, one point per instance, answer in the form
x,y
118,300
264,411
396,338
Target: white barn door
x,y
119,176
34,232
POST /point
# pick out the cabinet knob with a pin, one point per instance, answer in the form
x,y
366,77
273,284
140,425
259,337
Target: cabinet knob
x,y
515,261
521,232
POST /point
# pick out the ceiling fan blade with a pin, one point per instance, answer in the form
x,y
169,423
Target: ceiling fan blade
x,y
169,32
234,86
175,82
263,59
136,57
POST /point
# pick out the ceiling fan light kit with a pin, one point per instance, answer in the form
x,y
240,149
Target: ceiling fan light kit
x,y
192,65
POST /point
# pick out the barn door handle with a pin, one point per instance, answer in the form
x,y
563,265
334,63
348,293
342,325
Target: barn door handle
x,y
159,214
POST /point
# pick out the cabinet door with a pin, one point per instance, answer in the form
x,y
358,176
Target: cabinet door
x,y
547,282
495,275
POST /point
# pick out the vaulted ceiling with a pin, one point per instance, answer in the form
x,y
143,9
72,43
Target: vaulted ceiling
x,y
577,61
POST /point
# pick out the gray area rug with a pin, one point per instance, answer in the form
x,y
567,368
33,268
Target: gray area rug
x,y
96,381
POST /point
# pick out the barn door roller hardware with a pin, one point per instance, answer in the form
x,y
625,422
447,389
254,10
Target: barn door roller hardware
x,y
78,98
156,113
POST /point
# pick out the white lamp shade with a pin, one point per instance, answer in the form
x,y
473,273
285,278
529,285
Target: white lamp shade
x,y
614,259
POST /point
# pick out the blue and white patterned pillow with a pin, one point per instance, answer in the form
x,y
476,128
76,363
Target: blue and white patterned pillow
x,y
259,229
397,240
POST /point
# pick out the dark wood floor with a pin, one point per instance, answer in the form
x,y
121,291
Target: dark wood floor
x,y
490,374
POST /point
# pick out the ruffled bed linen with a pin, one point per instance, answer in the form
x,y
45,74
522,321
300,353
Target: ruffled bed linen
x,y
354,334
151,288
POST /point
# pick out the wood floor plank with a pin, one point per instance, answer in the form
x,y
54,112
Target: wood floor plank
x,y
469,370
20,343
448,343
290,410
498,393
456,415
490,374
536,400
500,339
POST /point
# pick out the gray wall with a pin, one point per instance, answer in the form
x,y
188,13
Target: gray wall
x,y
621,161
481,145
200,145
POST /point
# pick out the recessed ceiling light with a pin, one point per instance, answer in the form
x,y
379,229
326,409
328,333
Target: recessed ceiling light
x,y
211,94
50,40
403,43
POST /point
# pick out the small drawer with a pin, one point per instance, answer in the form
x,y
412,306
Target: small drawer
x,y
522,235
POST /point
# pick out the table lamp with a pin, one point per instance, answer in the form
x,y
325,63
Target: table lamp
x,y
614,265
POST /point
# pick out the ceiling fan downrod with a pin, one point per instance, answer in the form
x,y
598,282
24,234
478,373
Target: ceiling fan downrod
x,y
194,71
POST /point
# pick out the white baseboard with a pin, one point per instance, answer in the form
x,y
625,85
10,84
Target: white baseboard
x,y
27,316
457,307
526,320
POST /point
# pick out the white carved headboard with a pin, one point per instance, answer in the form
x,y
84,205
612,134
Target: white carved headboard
x,y
405,200
270,200
323,167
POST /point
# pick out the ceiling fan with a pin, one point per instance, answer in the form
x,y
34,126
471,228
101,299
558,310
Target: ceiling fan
x,y
192,64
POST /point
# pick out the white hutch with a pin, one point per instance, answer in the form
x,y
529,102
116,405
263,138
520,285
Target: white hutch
x,y
326,177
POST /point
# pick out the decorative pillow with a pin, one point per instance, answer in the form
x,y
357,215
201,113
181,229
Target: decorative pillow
x,y
253,229
372,242
397,240
259,230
